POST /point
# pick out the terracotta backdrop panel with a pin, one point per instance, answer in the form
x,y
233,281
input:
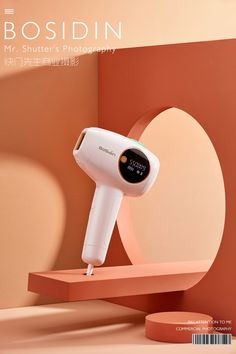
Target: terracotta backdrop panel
x,y
199,78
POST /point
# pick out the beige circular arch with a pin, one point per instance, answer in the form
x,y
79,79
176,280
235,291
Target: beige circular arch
x,y
124,222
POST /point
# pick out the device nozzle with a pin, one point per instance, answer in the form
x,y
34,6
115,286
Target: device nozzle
x,y
89,270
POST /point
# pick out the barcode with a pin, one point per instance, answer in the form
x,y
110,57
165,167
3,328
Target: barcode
x,y
212,338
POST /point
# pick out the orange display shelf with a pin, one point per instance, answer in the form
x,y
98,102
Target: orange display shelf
x,y
108,282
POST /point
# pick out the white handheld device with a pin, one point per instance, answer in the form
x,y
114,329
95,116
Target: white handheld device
x,y
119,166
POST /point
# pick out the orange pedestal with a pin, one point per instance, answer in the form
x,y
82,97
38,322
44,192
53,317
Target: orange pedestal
x,y
176,327
108,282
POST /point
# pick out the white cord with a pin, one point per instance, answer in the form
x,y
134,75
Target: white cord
x,y
89,270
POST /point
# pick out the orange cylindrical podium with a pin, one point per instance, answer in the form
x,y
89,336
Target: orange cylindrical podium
x,y
176,327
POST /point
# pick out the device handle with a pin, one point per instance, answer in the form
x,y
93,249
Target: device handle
x,y
103,214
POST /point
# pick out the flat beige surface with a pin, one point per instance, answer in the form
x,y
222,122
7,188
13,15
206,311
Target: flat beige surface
x,y
186,205
84,327
45,199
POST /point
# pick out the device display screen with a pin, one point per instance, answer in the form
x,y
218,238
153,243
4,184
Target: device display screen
x,y
134,165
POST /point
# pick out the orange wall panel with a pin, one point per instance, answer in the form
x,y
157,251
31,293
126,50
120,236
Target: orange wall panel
x,y
199,78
